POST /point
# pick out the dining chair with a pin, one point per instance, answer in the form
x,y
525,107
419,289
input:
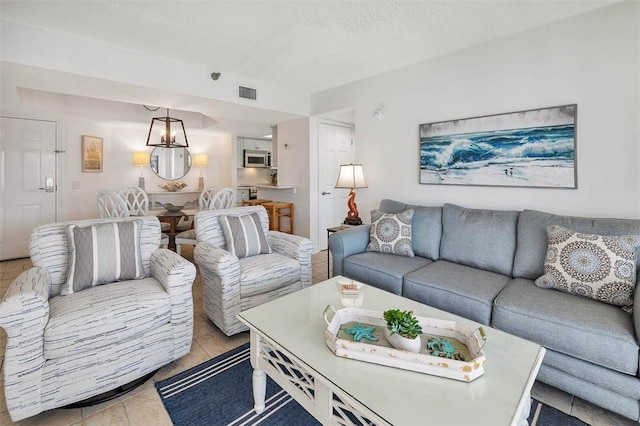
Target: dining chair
x,y
137,202
111,204
210,198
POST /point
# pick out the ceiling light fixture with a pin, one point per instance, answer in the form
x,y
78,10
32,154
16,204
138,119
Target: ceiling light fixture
x,y
168,136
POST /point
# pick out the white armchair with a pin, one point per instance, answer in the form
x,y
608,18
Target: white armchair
x,y
232,285
66,348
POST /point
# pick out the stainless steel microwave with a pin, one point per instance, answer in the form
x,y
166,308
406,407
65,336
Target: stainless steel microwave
x,y
256,158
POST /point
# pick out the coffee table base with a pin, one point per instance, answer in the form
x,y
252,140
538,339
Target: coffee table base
x,y
326,404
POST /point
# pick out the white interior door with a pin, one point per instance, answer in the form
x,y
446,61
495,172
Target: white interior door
x,y
335,147
27,181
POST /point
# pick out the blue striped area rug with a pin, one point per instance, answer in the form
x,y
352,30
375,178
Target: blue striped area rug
x,y
219,392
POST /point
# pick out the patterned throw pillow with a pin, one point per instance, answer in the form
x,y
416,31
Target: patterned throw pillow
x,y
600,267
391,233
101,254
244,235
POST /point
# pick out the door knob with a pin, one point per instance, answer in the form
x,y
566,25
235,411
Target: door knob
x,y
48,185
326,193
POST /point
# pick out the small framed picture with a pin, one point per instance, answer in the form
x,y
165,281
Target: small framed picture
x,y
91,154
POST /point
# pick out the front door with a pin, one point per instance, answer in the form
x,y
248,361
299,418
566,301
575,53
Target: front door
x,y
335,147
27,181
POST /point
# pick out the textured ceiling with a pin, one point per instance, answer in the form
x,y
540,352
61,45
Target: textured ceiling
x,y
305,45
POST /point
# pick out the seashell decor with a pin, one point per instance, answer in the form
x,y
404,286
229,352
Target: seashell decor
x,y
173,186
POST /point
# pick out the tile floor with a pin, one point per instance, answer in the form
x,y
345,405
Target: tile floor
x,y
142,406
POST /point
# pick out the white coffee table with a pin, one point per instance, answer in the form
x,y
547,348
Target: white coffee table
x,y
288,344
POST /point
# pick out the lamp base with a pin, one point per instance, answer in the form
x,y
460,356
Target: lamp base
x,y
141,182
353,221
200,183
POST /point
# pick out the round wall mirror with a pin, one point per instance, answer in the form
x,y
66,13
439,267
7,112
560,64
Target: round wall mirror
x,y
170,163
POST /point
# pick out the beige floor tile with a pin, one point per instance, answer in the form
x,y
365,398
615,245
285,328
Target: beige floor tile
x,y
9,274
115,415
146,408
58,417
214,345
202,326
597,416
552,397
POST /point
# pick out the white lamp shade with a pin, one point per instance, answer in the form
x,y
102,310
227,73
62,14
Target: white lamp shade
x,y
140,158
351,176
201,160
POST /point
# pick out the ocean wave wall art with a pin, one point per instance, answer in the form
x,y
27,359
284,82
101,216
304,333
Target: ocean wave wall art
x,y
534,148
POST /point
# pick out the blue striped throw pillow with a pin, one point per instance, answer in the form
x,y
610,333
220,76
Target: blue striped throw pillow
x,y
244,235
101,254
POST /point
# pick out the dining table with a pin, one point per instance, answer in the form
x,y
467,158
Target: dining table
x,y
172,217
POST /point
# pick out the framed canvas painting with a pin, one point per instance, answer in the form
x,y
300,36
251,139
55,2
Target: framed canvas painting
x,y
533,148
91,154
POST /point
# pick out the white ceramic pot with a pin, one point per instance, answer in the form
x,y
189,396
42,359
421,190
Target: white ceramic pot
x,y
399,342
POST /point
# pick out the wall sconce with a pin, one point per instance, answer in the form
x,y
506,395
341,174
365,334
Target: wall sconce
x,y
201,161
141,159
350,177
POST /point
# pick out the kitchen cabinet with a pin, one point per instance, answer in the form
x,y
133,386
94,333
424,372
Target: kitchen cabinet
x,y
256,144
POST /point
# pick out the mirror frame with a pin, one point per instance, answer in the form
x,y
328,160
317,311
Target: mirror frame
x,y
154,163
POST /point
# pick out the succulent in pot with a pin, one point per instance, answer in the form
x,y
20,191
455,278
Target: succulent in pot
x,y
403,330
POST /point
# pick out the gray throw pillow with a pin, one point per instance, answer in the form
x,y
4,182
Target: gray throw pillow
x,y
391,233
244,235
101,254
601,267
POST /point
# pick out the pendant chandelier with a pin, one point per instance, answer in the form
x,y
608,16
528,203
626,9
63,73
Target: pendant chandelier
x,y
168,136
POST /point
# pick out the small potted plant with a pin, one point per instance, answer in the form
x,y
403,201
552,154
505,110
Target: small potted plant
x,y
403,330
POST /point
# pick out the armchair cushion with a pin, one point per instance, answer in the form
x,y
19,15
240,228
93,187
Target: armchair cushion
x,y
260,274
103,253
244,235
104,315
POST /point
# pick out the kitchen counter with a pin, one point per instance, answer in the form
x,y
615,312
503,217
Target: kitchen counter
x,y
275,186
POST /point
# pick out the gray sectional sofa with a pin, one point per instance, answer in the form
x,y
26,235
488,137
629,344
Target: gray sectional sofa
x,y
482,264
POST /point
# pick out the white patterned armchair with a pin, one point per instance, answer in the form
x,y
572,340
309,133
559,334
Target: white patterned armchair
x,y
232,284
66,348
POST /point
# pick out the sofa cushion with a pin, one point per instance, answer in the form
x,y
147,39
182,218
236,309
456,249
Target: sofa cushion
x,y
385,271
595,266
459,289
584,328
102,316
426,227
532,237
391,233
102,254
484,239
259,274
244,235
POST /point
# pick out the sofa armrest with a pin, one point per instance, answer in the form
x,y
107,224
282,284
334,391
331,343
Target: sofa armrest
x,y
636,308
24,313
345,243
176,274
220,272
296,247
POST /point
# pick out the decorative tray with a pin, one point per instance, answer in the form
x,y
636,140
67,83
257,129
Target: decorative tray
x,y
467,341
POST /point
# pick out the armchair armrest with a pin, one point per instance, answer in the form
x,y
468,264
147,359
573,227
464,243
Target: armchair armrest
x,y
176,274
24,313
25,306
345,243
296,247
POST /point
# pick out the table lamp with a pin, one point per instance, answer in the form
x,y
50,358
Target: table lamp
x,y
350,177
141,159
201,161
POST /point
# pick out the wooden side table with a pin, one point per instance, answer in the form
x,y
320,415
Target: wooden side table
x,y
277,210
329,232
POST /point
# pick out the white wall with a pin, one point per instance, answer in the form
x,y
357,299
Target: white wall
x,y
592,60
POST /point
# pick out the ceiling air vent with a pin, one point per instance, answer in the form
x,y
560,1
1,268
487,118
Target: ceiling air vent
x,y
247,93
